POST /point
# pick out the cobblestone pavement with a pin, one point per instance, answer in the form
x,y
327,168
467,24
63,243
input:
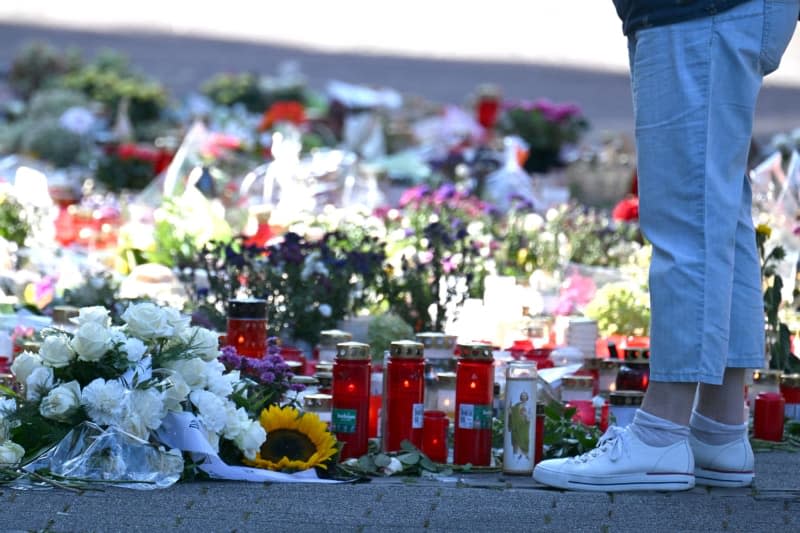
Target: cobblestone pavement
x,y
470,502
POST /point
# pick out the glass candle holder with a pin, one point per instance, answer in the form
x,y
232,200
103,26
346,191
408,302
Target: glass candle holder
x,y
404,402
519,434
351,391
319,404
434,435
577,388
474,393
329,339
247,326
768,416
790,390
624,404
607,382
440,394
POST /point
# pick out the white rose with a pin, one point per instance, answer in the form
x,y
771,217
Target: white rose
x,y
91,341
176,393
134,349
117,335
61,402
325,310
104,401
11,453
203,342
211,409
96,314
39,383
251,439
147,321
193,371
56,352
24,364
177,320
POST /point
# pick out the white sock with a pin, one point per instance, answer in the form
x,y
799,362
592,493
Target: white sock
x,y
657,431
710,431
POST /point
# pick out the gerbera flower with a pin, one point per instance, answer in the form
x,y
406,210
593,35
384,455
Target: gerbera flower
x,y
295,441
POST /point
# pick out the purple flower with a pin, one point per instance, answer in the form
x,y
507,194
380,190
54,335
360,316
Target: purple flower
x,y
297,387
444,193
414,194
267,377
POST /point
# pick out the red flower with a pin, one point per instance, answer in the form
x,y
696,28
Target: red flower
x,y
288,111
626,210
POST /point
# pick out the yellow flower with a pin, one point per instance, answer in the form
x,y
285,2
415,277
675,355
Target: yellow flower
x,y
764,230
295,441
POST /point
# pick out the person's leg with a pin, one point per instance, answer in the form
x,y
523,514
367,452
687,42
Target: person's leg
x,y
721,449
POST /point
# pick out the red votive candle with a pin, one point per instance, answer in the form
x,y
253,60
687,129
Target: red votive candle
x,y
768,416
405,395
350,405
247,327
434,435
474,395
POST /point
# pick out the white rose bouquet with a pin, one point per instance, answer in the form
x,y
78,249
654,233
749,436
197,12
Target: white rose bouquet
x,y
128,376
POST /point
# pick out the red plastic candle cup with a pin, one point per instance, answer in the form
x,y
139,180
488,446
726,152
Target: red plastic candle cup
x,y
474,396
404,403
768,416
434,435
351,392
247,327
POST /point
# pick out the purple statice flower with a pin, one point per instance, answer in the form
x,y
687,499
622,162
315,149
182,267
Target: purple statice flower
x,y
267,377
297,387
230,358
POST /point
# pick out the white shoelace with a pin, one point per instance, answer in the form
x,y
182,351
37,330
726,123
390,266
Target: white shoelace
x,y
611,442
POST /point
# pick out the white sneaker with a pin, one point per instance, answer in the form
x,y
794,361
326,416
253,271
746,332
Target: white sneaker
x,y
621,462
723,465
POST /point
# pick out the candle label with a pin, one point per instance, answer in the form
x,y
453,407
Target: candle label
x,y
471,416
417,415
344,420
520,426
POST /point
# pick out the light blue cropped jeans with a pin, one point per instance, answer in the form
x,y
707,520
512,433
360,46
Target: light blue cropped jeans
x,y
695,86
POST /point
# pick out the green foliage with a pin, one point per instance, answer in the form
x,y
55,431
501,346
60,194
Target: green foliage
x,y
52,102
38,65
385,328
412,462
45,139
109,79
564,437
229,89
620,308
118,173
14,226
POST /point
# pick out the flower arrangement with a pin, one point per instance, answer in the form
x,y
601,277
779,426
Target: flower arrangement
x,y
546,127
437,256
127,378
130,166
778,338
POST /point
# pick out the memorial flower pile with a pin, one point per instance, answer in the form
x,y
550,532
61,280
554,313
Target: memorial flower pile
x,y
125,377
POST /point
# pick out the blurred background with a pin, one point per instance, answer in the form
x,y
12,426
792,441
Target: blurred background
x,y
571,50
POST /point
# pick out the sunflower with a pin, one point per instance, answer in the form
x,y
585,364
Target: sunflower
x,y
295,441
